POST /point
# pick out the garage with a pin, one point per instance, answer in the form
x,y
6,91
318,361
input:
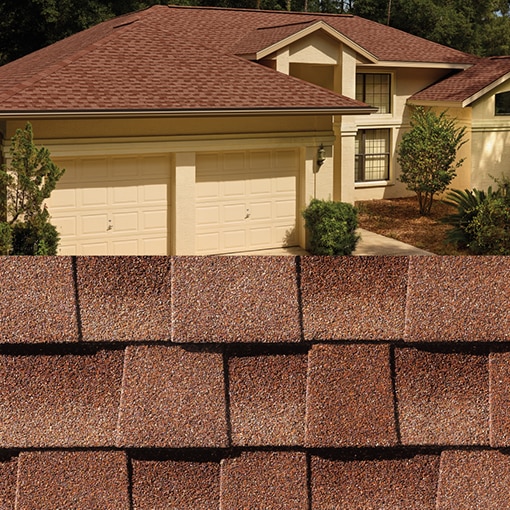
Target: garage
x,y
113,205
246,200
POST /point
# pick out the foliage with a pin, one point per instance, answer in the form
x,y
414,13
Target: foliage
x,y
482,221
482,28
26,184
331,227
427,155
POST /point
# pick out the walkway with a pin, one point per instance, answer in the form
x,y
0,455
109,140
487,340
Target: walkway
x,y
369,244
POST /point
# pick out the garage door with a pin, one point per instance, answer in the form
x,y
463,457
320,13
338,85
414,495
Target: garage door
x,y
246,201
113,206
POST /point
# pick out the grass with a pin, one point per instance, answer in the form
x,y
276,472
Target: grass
x,y
400,219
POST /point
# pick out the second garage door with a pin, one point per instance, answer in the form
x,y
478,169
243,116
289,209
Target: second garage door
x,y
246,201
113,205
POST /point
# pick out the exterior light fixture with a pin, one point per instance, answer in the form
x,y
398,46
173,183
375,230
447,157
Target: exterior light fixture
x,y
321,156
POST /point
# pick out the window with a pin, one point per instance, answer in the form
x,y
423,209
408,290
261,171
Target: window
x,y
375,90
503,103
372,155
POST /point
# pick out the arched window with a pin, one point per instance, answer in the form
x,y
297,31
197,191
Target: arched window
x,y
502,103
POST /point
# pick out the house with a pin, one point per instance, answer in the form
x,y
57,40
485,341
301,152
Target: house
x,y
192,383
202,131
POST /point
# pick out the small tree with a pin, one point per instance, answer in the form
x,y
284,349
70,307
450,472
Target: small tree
x,y
25,227
427,155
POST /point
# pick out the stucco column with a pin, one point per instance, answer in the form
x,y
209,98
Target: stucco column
x,y
345,133
184,206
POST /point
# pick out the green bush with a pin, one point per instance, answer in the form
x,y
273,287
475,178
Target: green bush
x,y
331,227
5,238
34,239
482,221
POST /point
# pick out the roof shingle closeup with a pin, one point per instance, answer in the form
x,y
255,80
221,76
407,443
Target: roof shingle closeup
x,y
261,383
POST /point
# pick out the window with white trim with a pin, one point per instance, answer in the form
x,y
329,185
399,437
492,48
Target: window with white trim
x,y
375,90
502,103
372,147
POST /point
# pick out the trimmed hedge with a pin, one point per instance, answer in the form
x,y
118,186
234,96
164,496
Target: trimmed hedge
x,y
331,227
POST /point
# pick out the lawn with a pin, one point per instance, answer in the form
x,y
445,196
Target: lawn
x,y
400,219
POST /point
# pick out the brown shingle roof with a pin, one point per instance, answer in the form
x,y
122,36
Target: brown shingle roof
x,y
464,86
268,418
183,60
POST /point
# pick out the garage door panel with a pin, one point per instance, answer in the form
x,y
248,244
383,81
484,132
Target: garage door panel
x,y
257,203
113,205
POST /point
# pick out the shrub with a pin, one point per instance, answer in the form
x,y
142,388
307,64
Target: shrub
x,y
331,227
5,238
427,155
35,238
482,221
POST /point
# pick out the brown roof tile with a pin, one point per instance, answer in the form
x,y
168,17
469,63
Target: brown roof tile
x,y
350,396
463,85
260,480
59,400
93,480
267,399
499,368
354,298
179,484
464,299
182,59
124,298
443,398
474,479
172,397
233,299
8,472
37,300
382,483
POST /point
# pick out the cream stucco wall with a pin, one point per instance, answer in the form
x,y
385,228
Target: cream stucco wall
x,y
490,141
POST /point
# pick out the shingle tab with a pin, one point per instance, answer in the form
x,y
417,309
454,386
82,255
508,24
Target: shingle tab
x,y
350,396
173,397
260,480
499,368
179,484
267,399
458,299
41,291
8,472
64,400
92,480
474,479
354,298
376,483
233,299
124,298
443,398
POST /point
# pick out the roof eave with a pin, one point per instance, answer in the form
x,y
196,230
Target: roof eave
x,y
432,103
211,112
424,65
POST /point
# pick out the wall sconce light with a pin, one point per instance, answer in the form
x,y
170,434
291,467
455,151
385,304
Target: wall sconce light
x,y
321,156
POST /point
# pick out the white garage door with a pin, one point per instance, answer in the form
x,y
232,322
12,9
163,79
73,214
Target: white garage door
x,y
112,206
246,200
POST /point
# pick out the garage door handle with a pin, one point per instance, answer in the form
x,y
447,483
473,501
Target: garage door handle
x,y
247,214
110,226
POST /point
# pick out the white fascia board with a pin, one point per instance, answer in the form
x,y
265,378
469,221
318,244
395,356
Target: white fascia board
x,y
423,65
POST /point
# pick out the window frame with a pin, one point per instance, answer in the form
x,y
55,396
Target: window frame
x,y
364,73
506,94
360,157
